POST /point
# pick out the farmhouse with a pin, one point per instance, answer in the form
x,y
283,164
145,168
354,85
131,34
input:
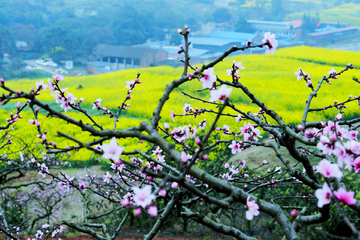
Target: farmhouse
x,y
281,29
333,36
105,58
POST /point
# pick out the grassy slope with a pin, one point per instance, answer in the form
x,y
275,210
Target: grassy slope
x,y
347,13
270,78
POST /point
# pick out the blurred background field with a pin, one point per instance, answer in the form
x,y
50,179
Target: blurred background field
x,y
270,78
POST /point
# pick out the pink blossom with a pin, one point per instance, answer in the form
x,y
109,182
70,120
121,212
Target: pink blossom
x,y
238,118
112,150
221,94
152,211
341,154
40,85
96,104
345,197
166,126
353,146
183,157
107,177
51,86
238,65
209,78
226,165
157,151
82,186
235,147
143,196
65,105
298,74
265,162
328,169
253,209
172,115
272,43
356,164
323,195
58,78
325,145
130,84
332,72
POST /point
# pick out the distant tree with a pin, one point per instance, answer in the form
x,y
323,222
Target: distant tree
x,y
309,23
221,15
65,35
27,33
7,42
242,25
175,38
127,26
277,11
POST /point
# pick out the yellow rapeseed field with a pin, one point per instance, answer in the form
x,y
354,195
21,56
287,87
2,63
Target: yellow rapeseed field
x,y
271,78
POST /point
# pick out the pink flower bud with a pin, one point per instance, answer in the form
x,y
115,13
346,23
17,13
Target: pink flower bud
x,y
18,105
37,110
37,123
32,89
217,129
1,80
180,31
18,92
162,192
29,101
181,46
174,185
300,127
294,213
141,141
31,121
53,144
43,137
81,99
205,156
188,30
197,140
166,126
137,212
245,186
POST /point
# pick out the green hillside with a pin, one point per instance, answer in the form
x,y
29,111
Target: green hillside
x,y
347,13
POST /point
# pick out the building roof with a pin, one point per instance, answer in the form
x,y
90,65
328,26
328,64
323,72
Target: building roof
x,y
213,41
233,35
270,23
295,23
107,50
332,31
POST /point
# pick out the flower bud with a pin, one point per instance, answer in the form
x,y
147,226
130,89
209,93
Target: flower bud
x,y
53,144
180,31
197,140
37,110
18,92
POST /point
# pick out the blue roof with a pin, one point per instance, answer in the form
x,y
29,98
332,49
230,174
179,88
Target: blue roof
x,y
233,35
212,41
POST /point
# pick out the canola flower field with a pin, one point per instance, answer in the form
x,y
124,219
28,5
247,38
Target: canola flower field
x,y
270,78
